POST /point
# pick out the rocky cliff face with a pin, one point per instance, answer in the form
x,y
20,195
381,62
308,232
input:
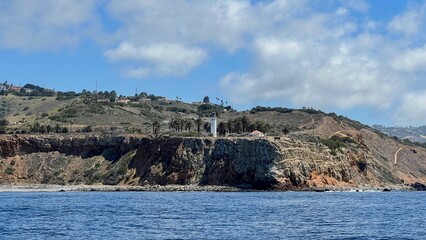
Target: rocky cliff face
x,y
112,147
236,162
251,163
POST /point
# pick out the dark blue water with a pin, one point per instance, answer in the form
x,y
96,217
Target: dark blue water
x,y
209,215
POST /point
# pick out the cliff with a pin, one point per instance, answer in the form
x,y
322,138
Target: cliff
x,y
249,163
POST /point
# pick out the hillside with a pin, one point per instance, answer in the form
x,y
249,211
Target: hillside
x,y
414,134
305,148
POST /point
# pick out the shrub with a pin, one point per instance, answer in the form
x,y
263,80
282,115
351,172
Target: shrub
x,y
334,143
362,165
9,170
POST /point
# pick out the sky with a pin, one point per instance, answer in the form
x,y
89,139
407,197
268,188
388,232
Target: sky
x,y
361,59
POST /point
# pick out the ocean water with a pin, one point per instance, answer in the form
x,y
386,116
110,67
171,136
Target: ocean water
x,y
212,215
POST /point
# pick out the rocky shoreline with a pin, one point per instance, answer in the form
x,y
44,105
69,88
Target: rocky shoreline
x,y
181,188
128,163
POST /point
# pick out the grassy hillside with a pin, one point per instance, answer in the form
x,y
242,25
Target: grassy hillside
x,y
376,155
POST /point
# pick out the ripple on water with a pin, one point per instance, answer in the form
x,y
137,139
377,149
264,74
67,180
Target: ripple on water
x,y
213,215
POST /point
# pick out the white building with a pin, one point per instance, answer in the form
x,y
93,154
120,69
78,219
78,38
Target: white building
x,y
213,124
257,134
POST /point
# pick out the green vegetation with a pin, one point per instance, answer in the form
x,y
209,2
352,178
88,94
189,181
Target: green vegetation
x,y
62,96
9,170
362,165
118,171
3,124
335,143
355,124
156,125
284,110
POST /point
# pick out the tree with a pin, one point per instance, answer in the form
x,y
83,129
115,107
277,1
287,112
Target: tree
x,y
199,122
35,128
245,122
172,125
188,125
3,124
285,131
113,96
156,125
206,99
229,126
42,129
57,128
221,128
206,127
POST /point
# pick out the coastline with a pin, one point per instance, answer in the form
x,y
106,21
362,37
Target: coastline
x,y
181,188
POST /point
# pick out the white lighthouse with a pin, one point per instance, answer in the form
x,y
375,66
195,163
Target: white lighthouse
x,y
213,124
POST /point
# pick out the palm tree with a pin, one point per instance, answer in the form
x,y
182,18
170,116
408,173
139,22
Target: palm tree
x,y
57,128
156,127
221,128
206,127
229,125
245,122
199,122
188,125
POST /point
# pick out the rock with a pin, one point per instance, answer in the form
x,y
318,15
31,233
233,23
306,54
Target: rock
x,y
242,163
419,186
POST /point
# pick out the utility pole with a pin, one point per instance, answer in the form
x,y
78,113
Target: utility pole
x,y
96,91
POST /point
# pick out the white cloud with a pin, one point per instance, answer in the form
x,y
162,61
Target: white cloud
x,y
412,60
45,24
330,56
163,58
271,47
413,109
409,22
139,72
323,63
222,23
321,58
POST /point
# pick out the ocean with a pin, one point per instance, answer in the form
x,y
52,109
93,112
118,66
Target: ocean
x,y
213,215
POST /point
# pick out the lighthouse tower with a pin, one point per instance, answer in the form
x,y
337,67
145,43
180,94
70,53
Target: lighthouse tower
x,y
213,124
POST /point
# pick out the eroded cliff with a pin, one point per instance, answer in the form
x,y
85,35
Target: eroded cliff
x,y
249,163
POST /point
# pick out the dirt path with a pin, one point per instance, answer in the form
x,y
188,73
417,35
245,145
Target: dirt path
x,y
396,155
338,132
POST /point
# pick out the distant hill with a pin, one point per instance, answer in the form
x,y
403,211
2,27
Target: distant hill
x,y
414,134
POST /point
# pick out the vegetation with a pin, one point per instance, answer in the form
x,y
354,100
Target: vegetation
x,y
286,131
9,170
3,124
156,125
269,109
362,165
206,99
62,96
335,143
284,110
243,124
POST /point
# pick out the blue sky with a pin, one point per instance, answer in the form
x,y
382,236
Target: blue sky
x,y
362,59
